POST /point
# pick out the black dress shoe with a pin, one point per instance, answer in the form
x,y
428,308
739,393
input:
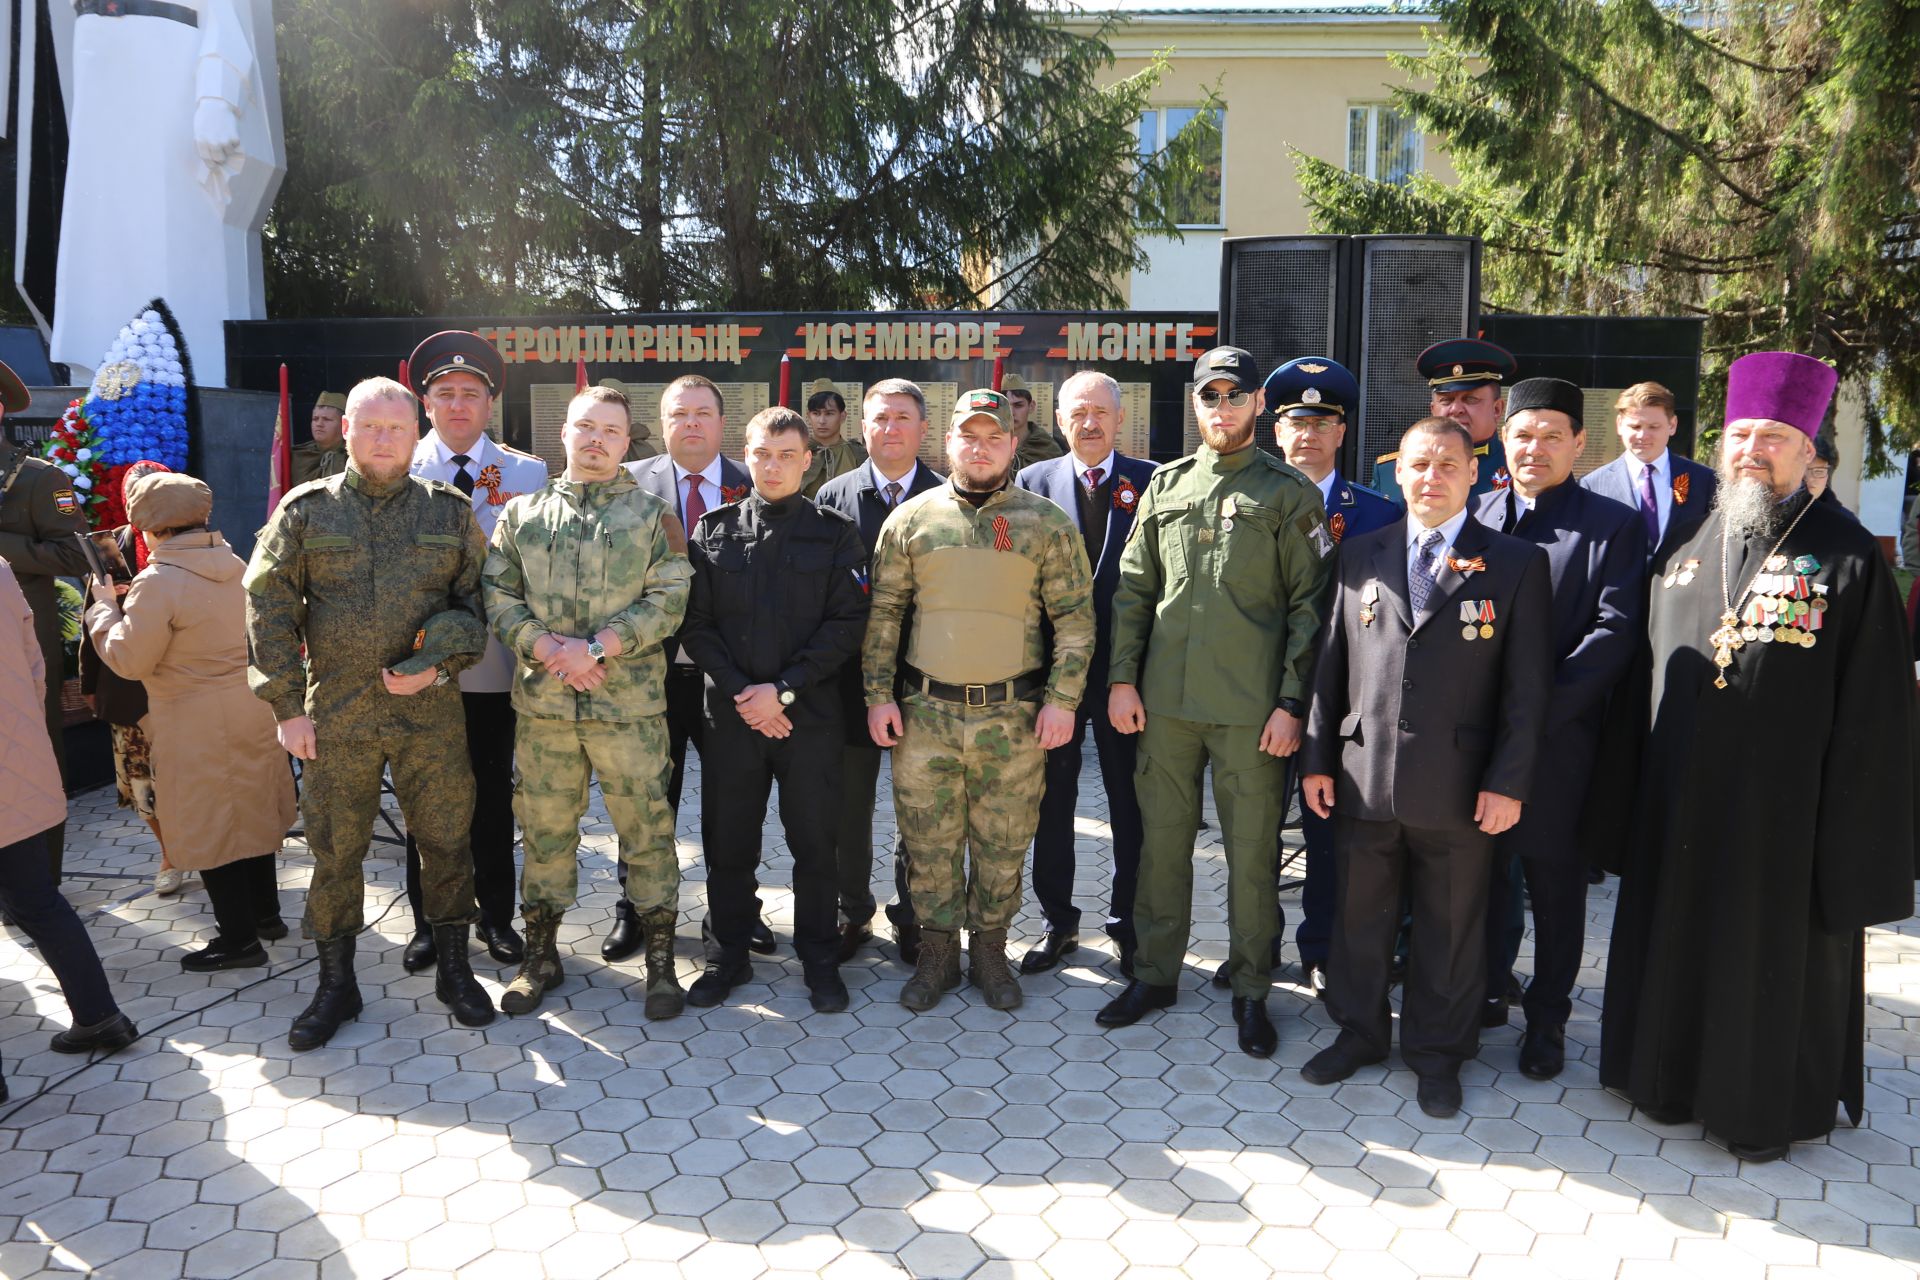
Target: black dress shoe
x,y
419,953
1128,950
270,928
1493,1013
1135,1003
106,1035
906,936
1221,978
1257,1036
721,977
1439,1096
1054,944
626,936
762,941
853,935
1314,977
1756,1155
826,992
502,943
1333,1064
218,955
1596,876
1666,1115
1543,1051
1515,991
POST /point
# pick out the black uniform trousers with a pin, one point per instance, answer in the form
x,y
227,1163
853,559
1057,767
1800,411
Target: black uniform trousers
x,y
859,785
738,773
490,727
1053,860
1446,870
1558,887
686,725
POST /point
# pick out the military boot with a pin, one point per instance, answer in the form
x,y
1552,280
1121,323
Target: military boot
x,y
454,984
987,968
664,997
937,972
540,971
335,1000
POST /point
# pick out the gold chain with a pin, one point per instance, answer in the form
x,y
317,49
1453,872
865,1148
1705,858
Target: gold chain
x,y
1726,639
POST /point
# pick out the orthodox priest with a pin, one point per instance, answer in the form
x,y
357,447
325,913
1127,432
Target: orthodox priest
x,y
1776,816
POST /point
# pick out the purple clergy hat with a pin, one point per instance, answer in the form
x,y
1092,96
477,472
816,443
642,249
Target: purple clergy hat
x,y
1783,386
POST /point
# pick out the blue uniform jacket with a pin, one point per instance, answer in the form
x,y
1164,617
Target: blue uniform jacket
x,y
1493,473
1355,509
1057,480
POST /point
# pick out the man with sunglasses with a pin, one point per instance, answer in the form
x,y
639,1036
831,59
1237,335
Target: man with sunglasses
x,y
1222,589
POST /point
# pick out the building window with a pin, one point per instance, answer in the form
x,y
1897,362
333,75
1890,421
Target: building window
x,y
1196,202
1382,144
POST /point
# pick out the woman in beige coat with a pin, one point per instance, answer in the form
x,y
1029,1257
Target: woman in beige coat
x,y
222,789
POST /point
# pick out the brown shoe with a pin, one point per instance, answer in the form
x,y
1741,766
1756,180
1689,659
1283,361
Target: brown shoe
x,y
987,969
540,971
938,971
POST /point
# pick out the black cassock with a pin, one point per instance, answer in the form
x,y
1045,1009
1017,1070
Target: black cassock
x,y
1775,821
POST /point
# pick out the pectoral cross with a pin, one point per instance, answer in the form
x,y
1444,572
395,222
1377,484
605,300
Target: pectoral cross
x,y
1725,641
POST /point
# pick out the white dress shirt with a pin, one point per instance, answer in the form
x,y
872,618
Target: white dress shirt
x,y
1662,468
880,481
709,492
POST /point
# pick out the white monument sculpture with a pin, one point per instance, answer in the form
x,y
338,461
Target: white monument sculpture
x,y
175,154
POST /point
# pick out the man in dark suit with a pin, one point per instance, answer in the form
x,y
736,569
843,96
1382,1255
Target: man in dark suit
x,y
694,479
1672,493
1429,703
1311,397
893,422
1099,489
1597,549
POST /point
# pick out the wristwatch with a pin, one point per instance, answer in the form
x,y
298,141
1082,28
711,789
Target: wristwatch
x,y
786,695
1292,706
440,676
597,651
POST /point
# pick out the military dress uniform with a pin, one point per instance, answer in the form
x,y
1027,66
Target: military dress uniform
x,y
968,771
352,569
39,515
572,560
1458,364
1221,592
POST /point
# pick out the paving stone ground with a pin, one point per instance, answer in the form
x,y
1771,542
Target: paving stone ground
x,y
762,1138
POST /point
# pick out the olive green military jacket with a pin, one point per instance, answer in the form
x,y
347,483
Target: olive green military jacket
x,y
981,581
836,459
1223,585
351,570
39,515
1039,444
311,462
579,558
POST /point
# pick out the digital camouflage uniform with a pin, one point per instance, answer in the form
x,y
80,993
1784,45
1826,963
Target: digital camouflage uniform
x,y
980,582
836,459
1222,587
572,560
352,569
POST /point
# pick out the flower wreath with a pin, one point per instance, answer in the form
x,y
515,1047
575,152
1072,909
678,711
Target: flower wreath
x,y
75,448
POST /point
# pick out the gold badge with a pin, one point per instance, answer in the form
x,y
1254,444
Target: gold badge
x,y
1306,367
1459,369
1310,395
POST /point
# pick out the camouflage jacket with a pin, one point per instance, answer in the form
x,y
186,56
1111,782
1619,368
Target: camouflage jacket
x,y
1223,585
352,570
983,583
578,558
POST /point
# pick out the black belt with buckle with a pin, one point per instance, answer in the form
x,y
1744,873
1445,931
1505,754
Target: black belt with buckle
x,y
1017,689
136,9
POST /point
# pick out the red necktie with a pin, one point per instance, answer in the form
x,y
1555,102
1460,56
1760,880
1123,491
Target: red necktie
x,y
696,505
1093,477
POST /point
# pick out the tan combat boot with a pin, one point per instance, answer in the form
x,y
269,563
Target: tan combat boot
x,y
987,968
938,971
540,972
665,999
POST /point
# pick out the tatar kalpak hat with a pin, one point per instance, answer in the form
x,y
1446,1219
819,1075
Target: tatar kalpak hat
x,y
1547,393
1782,386
455,351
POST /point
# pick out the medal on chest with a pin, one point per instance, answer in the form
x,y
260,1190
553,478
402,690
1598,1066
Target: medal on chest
x,y
1368,597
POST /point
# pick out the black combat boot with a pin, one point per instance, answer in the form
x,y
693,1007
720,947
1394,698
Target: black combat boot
x,y
665,999
454,984
335,1000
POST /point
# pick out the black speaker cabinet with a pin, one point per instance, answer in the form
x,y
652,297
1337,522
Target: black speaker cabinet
x,y
1282,297
1410,292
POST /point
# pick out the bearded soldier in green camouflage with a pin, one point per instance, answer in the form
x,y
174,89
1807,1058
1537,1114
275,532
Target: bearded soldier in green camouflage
x,y
585,580
376,574
984,566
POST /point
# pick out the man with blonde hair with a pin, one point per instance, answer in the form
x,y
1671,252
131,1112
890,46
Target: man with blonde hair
x,y
1671,491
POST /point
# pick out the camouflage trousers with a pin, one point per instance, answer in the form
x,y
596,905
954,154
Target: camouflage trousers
x,y
554,760
966,779
340,799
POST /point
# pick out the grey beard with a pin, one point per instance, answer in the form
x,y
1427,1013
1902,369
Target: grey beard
x,y
1748,507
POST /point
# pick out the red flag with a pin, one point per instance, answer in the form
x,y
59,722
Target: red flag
x,y
406,377
999,370
280,461
579,376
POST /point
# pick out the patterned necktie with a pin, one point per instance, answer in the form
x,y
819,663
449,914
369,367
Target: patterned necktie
x,y
696,505
461,480
893,494
1093,477
1649,507
1420,581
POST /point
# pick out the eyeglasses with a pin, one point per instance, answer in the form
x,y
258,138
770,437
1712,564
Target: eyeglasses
x,y
1212,398
1312,426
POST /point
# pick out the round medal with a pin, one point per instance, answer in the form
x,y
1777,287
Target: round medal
x,y
1782,633
1820,604
1806,639
1765,634
1486,631
1749,633
1469,632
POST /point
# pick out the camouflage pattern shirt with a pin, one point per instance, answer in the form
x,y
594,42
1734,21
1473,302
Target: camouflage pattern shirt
x,y
578,558
981,581
351,569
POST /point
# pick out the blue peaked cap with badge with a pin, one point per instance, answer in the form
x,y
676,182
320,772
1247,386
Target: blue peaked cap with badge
x,y
1312,386
1461,364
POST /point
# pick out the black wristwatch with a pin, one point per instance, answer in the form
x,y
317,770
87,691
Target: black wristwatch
x,y
1293,707
787,695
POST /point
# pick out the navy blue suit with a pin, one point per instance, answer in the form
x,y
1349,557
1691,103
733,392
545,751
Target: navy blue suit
x,y
1597,551
1684,519
1059,481
1352,510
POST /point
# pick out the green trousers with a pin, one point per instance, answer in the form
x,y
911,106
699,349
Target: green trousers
x,y
966,780
1248,788
553,763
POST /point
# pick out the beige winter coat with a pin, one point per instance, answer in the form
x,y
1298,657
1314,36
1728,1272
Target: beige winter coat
x,y
31,799
222,789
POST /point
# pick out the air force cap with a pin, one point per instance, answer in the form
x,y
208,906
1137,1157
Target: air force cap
x,y
455,351
1312,386
1461,364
